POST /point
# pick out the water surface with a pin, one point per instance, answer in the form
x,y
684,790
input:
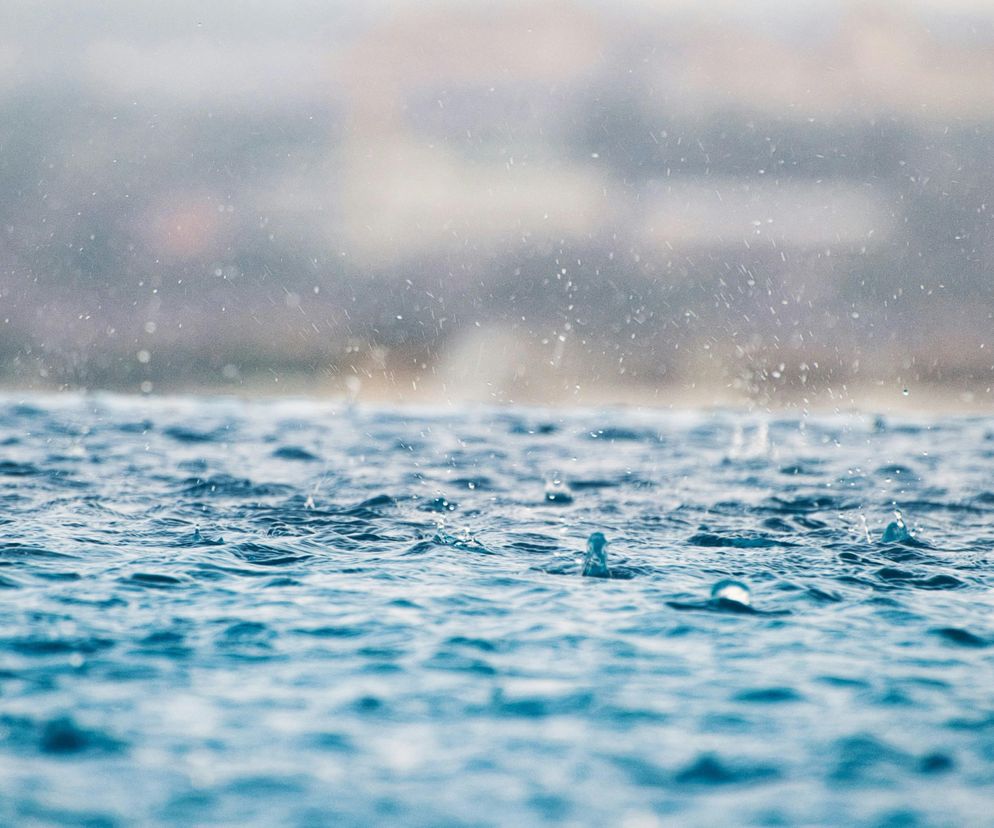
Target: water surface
x,y
297,613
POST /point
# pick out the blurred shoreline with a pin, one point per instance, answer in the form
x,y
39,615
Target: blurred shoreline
x,y
413,394
493,201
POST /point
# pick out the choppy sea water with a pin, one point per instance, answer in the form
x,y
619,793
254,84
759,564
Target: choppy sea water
x,y
296,613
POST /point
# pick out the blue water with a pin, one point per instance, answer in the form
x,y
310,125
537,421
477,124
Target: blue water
x,y
296,613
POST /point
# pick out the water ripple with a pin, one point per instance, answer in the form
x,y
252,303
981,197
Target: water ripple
x,y
301,613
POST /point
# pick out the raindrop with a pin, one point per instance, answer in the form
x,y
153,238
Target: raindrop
x,y
556,491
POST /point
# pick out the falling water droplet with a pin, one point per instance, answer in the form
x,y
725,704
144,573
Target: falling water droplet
x,y
556,491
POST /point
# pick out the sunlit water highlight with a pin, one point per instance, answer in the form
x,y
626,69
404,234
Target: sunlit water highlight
x,y
292,613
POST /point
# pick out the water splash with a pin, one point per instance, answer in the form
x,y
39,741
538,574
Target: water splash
x,y
595,561
729,591
866,529
897,531
757,447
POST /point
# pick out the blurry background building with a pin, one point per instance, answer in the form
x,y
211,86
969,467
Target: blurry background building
x,y
537,201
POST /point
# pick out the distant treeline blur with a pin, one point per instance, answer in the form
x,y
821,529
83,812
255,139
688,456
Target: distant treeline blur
x,y
546,201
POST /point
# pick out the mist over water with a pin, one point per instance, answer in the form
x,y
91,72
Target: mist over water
x,y
300,613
